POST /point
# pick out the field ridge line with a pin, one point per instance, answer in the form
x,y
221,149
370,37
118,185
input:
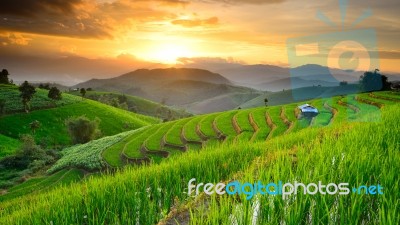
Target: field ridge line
x,y
288,123
372,95
254,125
332,110
271,125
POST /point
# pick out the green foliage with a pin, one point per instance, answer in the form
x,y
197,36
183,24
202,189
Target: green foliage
x,y
374,81
29,157
82,130
27,92
83,92
4,77
55,94
34,126
2,106
39,101
87,155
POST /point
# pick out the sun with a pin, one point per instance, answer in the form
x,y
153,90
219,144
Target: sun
x,y
169,53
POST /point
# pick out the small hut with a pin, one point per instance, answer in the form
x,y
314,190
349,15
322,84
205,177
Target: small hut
x,y
308,110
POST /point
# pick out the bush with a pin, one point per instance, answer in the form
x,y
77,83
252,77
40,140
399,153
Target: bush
x,y
82,130
27,154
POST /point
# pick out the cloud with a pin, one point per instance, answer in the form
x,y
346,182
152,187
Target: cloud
x,y
82,18
212,21
13,39
73,18
259,2
33,8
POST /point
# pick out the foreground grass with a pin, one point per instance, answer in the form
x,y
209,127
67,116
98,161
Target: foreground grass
x,y
345,153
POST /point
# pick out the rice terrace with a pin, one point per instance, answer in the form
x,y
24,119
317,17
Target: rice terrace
x,y
143,170
178,112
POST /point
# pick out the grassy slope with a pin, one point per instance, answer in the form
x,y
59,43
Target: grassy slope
x,y
38,184
141,105
8,145
39,100
335,154
53,129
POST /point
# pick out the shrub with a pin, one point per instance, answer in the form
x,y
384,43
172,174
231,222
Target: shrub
x,y
82,130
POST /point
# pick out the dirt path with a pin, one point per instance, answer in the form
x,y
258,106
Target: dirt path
x,y
186,141
383,97
235,124
332,110
288,123
200,133
271,125
352,107
254,125
221,136
369,102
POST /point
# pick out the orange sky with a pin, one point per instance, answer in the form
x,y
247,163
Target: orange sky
x,y
250,32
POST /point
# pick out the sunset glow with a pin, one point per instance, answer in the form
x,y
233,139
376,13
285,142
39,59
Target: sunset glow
x,y
162,31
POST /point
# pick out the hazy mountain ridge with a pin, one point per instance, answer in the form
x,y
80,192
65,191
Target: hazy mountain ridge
x,y
175,86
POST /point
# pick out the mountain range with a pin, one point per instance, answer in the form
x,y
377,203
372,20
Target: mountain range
x,y
202,91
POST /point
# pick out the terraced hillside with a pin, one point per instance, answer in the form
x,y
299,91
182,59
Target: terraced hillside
x,y
158,193
153,143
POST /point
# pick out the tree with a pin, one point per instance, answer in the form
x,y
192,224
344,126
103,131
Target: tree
x,y
83,92
2,106
34,126
4,77
82,130
44,86
266,102
55,94
343,83
374,81
27,92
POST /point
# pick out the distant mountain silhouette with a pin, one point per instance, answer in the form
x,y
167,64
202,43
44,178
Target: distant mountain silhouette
x,y
275,78
182,87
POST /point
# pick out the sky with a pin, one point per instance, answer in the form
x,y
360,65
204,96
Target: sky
x,y
78,39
